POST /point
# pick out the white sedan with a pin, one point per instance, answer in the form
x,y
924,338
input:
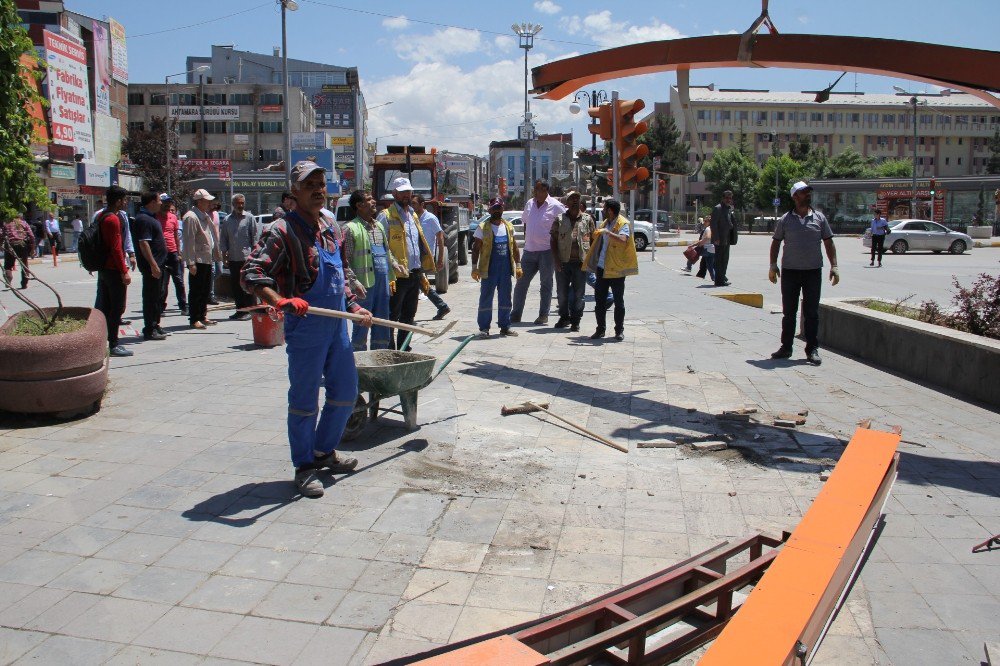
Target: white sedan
x,y
922,236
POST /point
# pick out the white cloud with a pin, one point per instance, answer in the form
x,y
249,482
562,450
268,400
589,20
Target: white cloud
x,y
547,7
439,46
607,33
504,43
396,23
803,19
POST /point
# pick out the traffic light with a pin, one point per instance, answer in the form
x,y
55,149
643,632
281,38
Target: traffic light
x,y
630,152
662,188
932,188
602,115
502,186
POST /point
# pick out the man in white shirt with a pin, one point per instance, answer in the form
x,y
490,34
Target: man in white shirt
x,y
539,214
77,230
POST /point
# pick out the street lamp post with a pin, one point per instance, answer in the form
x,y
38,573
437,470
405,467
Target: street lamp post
x,y
286,6
526,34
166,119
913,103
594,98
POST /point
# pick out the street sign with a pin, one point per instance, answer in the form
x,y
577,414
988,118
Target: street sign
x,y
776,202
656,163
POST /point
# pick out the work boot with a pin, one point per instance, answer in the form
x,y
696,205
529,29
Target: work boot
x,y
483,334
812,357
120,351
334,463
542,319
783,352
507,333
563,322
574,327
308,483
441,313
154,335
598,334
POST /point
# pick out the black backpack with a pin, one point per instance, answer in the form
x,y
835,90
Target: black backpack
x,y
90,248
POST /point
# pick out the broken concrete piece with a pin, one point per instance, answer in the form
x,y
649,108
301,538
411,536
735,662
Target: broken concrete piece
x,y
803,412
784,423
658,444
735,416
824,475
709,446
785,416
992,649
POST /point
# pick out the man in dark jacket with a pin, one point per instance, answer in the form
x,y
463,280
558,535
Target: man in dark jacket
x,y
723,236
151,258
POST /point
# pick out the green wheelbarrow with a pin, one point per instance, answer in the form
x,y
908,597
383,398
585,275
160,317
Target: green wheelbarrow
x,y
385,373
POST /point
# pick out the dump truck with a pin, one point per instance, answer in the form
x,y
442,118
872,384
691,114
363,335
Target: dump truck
x,y
420,166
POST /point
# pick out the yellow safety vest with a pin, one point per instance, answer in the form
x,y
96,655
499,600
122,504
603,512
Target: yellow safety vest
x,y
620,259
487,248
397,240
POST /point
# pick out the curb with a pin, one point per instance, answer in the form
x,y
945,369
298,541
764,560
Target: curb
x,y
985,243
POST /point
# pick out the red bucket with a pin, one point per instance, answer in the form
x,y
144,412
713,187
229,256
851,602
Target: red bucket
x,y
266,331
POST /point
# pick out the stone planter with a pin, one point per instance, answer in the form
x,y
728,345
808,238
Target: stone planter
x,y
959,362
979,232
63,374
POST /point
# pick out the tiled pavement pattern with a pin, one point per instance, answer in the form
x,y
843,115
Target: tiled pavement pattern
x,y
163,529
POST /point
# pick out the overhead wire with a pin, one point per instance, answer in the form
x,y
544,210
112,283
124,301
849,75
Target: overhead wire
x,y
201,23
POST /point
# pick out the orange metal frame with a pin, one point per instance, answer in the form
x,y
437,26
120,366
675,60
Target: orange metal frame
x,y
972,70
787,613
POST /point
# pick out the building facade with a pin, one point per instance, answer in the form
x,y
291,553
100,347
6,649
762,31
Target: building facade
x,y
551,155
952,128
334,93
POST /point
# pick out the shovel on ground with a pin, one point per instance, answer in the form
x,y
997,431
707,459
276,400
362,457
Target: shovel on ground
x,y
529,407
340,314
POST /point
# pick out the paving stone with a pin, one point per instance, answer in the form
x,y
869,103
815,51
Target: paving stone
x,y
263,563
363,610
454,555
903,610
188,629
412,513
134,655
475,621
81,540
14,643
27,609
473,520
919,646
229,594
587,568
302,603
118,620
162,585
508,593
196,555
404,548
138,548
437,586
37,567
68,650
334,646
61,613
327,571
384,578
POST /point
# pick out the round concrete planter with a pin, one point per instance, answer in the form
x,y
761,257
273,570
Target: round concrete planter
x,y
979,232
63,374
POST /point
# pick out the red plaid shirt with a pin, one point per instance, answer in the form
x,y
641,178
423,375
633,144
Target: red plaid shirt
x,y
286,258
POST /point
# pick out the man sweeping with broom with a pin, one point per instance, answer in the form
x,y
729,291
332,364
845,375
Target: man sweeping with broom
x,y
295,267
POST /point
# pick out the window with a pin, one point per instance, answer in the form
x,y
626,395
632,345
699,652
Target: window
x,y
841,138
137,126
215,127
136,99
268,99
702,115
240,99
183,99
186,127
816,117
157,99
743,115
730,136
854,139
702,136
269,154
802,116
759,116
871,118
269,127
960,143
215,99
215,155
241,127
926,119
959,160
780,115
889,118
854,117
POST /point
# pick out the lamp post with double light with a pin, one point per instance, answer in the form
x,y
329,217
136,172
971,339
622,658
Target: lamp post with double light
x,y
286,6
526,34
594,98
913,103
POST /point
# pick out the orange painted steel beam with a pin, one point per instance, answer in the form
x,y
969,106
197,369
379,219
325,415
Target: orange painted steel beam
x,y
794,600
500,651
972,70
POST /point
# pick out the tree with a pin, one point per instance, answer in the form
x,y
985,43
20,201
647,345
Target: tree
x,y
816,164
734,169
894,168
788,171
993,164
850,164
663,139
799,149
20,186
147,150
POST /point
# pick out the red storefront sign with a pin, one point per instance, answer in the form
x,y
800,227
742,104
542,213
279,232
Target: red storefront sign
x,y
223,167
271,108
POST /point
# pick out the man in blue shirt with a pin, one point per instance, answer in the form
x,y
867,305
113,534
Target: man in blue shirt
x,y
880,229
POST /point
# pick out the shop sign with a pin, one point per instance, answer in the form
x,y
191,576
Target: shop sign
x,y
271,108
62,171
205,113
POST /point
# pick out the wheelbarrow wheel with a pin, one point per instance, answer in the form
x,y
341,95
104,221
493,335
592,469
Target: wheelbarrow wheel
x,y
358,420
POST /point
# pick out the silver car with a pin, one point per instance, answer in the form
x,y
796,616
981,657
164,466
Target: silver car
x,y
922,236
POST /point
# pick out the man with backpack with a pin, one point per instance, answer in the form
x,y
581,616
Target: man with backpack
x,y
113,275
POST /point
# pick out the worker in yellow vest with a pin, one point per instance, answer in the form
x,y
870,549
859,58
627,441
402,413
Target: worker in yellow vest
x,y
611,257
495,260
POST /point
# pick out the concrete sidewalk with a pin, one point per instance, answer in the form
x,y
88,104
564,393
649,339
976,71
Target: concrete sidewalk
x,y
164,528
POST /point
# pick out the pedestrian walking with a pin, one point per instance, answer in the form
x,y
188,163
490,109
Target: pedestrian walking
x,y
724,236
297,266
706,248
366,252
53,233
611,257
434,234
174,265
880,229
570,242
216,265
410,252
539,214
201,249
699,247
152,256
803,230
237,238
40,234
113,280
77,225
495,260
18,244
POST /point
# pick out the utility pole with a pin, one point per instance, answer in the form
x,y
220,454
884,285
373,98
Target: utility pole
x,y
614,146
526,34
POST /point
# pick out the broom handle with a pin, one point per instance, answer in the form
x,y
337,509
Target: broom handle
x,y
606,442
340,314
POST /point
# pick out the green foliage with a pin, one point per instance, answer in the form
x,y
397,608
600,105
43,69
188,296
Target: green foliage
x,y
20,186
976,309
733,169
799,150
993,164
895,168
788,171
849,163
147,150
663,139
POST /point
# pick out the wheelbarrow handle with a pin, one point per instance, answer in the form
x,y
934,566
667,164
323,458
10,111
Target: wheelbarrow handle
x,y
451,357
376,321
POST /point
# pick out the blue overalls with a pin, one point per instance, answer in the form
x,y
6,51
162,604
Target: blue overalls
x,y
376,301
498,279
318,349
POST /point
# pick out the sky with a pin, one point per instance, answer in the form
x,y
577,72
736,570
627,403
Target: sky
x,y
454,73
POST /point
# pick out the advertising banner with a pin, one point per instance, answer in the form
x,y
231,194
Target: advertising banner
x,y
308,140
96,175
210,113
107,139
69,94
222,167
334,107
102,69
62,172
322,157
241,139
119,52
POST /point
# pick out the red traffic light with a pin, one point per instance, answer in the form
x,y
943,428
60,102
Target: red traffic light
x,y
630,152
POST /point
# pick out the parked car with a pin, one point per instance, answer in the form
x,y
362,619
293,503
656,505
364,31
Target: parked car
x,y
663,220
264,220
642,232
922,236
